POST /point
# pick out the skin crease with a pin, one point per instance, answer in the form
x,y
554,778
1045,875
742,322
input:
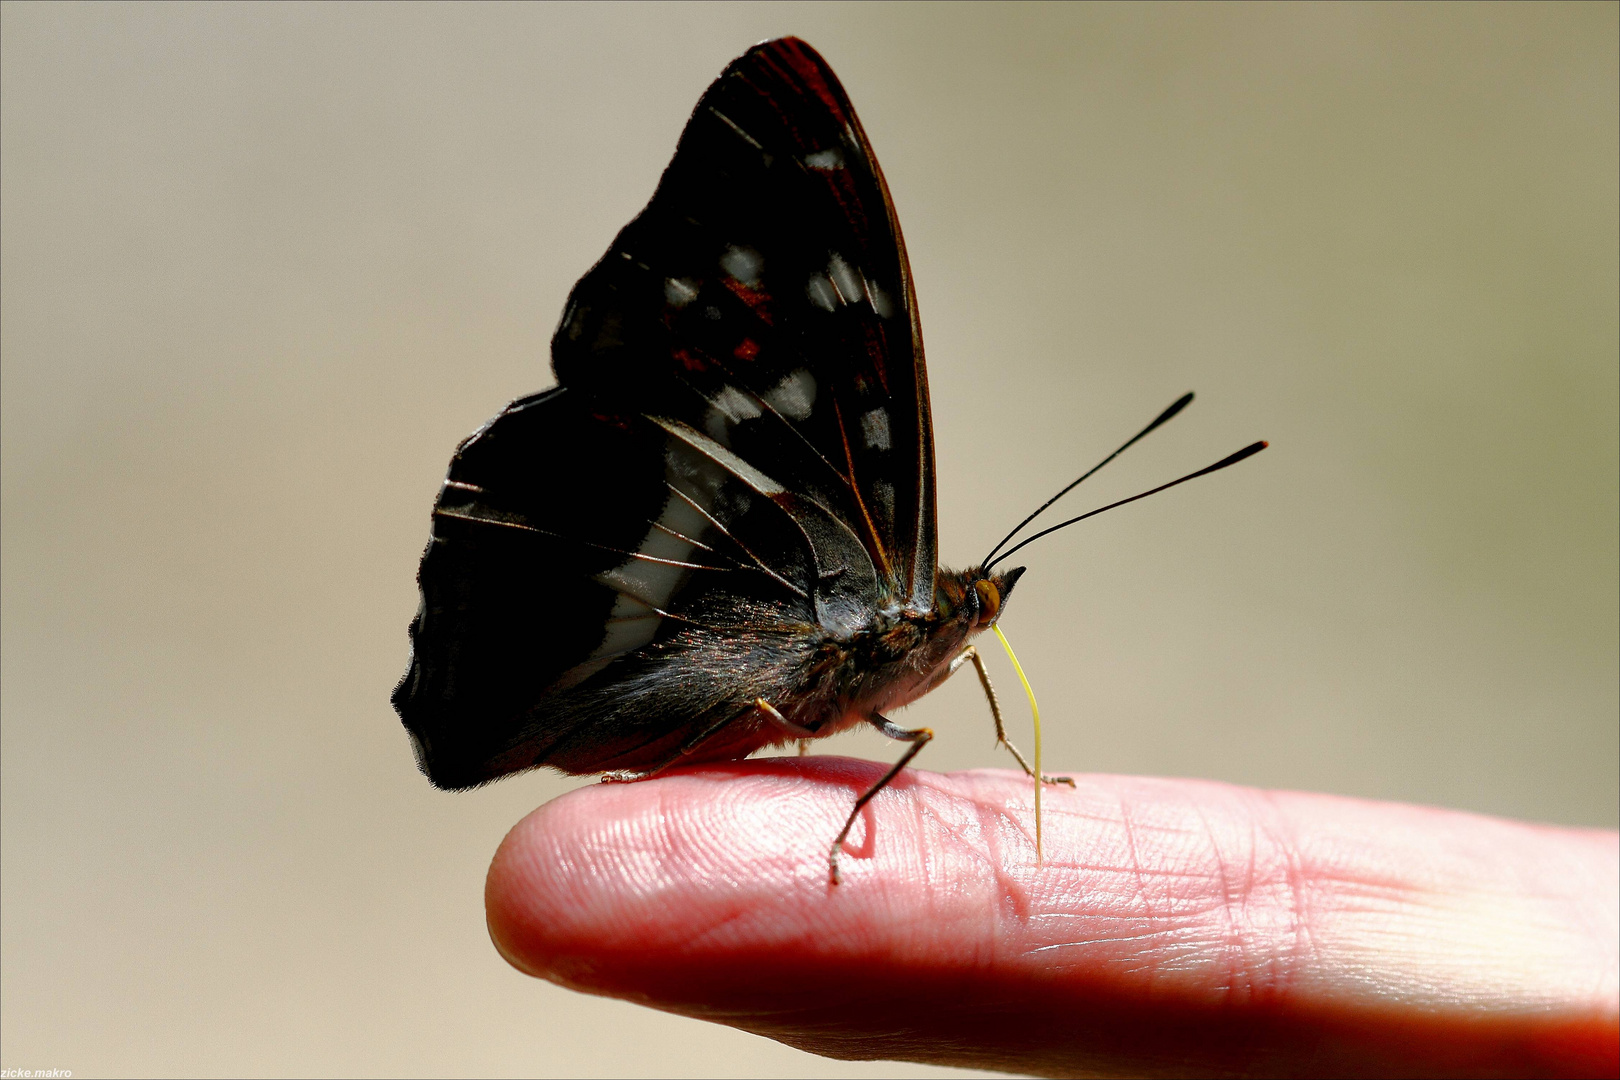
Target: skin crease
x,y
1177,928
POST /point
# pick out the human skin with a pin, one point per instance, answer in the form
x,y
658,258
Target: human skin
x,y
1174,928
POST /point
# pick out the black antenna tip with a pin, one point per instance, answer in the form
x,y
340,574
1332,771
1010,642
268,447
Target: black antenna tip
x,y
1180,403
1247,452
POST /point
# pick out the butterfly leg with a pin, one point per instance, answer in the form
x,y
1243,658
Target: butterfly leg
x,y
918,738
770,713
970,653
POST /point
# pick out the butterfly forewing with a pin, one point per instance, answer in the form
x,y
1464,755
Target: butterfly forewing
x,y
738,460
764,291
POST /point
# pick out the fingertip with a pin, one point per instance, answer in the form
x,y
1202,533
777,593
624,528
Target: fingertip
x,y
551,896
510,891
604,888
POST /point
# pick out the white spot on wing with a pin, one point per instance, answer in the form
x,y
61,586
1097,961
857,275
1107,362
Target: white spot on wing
x,y
682,517
731,407
884,492
630,625
875,429
696,474
743,263
646,585
680,291
832,158
845,278
880,299
713,457
651,582
821,293
795,395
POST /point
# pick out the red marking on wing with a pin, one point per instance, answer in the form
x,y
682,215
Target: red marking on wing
x,y
757,299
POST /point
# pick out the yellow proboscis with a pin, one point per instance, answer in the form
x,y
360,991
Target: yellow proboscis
x,y
1036,711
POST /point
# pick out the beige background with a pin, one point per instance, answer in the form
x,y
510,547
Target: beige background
x,y
263,266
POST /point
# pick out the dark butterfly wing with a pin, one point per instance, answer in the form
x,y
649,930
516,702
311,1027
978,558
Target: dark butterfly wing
x,y
737,465
770,262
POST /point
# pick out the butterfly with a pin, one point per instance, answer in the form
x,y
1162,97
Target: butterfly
x,y
717,533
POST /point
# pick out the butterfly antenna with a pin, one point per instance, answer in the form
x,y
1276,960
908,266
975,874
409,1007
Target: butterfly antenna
x,y
1181,403
1247,452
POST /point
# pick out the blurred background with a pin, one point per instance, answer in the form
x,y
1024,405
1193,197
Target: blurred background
x,y
263,266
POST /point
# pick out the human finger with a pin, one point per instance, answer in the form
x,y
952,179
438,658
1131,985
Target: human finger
x,y
1175,927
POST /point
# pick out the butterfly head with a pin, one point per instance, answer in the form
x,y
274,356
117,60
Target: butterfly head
x,y
974,596
990,592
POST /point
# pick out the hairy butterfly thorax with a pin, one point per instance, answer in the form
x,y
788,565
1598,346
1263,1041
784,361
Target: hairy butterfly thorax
x,y
717,532
904,654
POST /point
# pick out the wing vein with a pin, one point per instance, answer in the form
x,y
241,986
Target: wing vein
x,y
576,540
758,562
766,406
732,124
866,515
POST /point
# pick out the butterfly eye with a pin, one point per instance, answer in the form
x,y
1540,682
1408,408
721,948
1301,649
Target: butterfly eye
x,y
989,601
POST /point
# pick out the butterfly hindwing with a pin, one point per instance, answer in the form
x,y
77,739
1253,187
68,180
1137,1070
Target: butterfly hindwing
x,y
538,580
737,463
